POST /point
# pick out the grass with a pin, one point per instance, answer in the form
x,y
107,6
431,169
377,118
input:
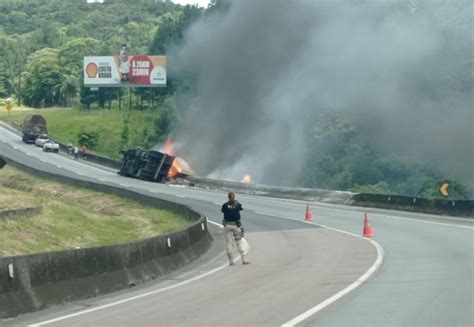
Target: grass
x,y
73,217
65,124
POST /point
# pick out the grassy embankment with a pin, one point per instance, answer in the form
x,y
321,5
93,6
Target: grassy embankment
x,y
65,124
72,217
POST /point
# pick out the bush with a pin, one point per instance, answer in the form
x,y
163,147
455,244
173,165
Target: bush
x,y
88,138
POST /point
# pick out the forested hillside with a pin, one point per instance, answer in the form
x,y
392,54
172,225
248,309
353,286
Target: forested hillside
x,y
42,45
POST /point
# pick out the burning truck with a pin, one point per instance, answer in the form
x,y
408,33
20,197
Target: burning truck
x,y
154,166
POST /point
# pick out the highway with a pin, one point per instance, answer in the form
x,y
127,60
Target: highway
x,y
418,271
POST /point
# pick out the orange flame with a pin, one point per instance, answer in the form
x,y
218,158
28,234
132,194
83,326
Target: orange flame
x,y
246,179
175,168
168,147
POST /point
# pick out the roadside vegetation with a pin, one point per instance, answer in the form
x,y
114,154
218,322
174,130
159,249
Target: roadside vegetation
x,y
72,217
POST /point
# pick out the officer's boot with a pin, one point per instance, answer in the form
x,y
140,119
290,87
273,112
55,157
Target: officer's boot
x,y
231,259
244,260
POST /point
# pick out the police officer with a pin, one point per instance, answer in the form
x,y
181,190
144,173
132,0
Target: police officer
x,y
232,228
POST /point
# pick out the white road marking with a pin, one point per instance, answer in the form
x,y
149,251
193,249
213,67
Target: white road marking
x,y
210,272
426,222
101,179
378,262
180,196
80,174
4,141
42,160
214,223
58,166
153,191
305,315
332,207
124,185
15,147
28,154
216,203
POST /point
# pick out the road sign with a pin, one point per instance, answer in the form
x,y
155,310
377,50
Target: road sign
x,y
444,189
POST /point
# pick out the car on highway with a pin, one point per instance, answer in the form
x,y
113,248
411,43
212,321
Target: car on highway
x,y
41,140
51,146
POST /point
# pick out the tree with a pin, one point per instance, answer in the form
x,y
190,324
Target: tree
x,y
69,89
71,55
42,78
164,36
5,84
89,138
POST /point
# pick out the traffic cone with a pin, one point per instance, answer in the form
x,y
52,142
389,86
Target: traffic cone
x,y
309,214
368,231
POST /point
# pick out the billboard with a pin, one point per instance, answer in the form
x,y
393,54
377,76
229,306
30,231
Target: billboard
x,y
125,71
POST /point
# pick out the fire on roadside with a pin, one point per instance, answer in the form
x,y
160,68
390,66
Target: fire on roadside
x,y
178,163
246,179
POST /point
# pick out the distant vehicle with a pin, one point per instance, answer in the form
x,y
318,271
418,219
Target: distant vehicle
x,y
32,127
41,140
51,146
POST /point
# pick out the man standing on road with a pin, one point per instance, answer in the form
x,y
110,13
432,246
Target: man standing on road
x,y
76,153
232,228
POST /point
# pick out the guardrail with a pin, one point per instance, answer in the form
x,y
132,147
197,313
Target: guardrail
x,y
34,282
462,208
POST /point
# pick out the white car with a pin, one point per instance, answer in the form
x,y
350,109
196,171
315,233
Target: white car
x,y
41,140
51,146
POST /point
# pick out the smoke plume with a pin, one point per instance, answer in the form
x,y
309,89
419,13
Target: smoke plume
x,y
401,71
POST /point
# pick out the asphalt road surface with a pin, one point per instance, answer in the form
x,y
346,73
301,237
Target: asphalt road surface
x,y
305,274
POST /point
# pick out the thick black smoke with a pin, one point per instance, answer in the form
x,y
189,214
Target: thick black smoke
x,y
399,70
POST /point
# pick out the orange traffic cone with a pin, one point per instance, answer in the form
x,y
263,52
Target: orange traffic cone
x,y
309,214
368,231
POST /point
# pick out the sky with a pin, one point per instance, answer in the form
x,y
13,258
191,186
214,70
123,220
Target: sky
x,y
201,3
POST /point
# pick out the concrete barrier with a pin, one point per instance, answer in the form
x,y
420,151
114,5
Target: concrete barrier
x,y
33,282
37,281
338,197
463,208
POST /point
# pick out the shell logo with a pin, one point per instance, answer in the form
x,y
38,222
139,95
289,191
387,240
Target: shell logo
x,y
92,70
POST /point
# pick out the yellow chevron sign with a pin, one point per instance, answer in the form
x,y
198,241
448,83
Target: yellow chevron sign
x,y
444,189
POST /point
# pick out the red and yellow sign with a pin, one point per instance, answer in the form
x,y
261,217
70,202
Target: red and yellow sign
x,y
125,71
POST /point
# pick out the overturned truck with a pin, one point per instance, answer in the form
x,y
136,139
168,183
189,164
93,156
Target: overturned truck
x,y
150,165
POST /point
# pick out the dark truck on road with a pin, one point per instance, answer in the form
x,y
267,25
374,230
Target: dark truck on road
x,y
147,165
32,127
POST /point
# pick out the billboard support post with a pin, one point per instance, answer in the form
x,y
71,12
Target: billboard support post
x,y
130,99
